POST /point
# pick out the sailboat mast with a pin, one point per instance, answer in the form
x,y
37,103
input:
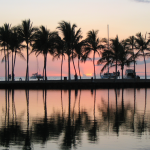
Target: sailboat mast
x,y
37,65
108,42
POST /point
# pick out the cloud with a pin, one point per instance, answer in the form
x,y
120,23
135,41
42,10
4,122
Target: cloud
x,y
143,1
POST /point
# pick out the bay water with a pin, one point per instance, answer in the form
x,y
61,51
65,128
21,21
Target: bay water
x,y
109,119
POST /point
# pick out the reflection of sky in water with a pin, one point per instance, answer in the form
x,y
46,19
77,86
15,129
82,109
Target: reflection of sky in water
x,y
98,125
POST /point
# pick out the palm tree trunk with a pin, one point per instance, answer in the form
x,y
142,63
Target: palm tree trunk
x,y
27,70
74,67
116,68
122,71
69,67
45,66
15,59
145,64
5,64
79,67
74,64
134,60
94,64
61,67
12,68
8,61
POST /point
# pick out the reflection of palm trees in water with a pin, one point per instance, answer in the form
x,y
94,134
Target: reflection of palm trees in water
x,y
142,124
41,127
145,108
47,128
61,103
5,107
93,131
76,94
108,111
10,131
68,137
73,128
116,123
134,110
27,144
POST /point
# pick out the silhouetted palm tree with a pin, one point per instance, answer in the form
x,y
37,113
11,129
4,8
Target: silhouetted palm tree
x,y
70,38
79,50
132,46
115,46
4,40
93,44
124,53
44,43
142,45
60,51
15,46
26,31
106,56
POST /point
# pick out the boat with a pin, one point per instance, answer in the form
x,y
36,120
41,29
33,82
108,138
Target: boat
x,y
130,74
109,75
36,76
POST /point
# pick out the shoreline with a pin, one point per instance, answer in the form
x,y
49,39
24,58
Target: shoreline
x,y
79,84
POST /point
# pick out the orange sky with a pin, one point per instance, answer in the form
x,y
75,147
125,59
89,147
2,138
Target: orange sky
x,y
125,18
53,67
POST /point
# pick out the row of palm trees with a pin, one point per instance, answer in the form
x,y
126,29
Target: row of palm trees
x,y
43,41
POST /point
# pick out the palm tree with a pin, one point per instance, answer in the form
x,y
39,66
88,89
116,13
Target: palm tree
x,y
76,44
106,56
15,47
132,45
79,52
60,51
142,45
115,47
93,44
70,37
124,53
4,39
44,43
27,32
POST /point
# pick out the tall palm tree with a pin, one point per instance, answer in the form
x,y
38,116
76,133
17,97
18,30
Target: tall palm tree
x,y
106,58
76,43
124,53
27,32
70,37
15,46
4,39
132,45
44,43
93,44
79,52
142,45
60,51
115,46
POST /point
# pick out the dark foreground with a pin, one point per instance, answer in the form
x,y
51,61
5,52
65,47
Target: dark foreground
x,y
79,84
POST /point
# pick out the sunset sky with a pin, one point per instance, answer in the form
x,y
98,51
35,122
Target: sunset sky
x,y
125,18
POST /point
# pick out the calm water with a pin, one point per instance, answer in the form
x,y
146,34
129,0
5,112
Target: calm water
x,y
75,119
